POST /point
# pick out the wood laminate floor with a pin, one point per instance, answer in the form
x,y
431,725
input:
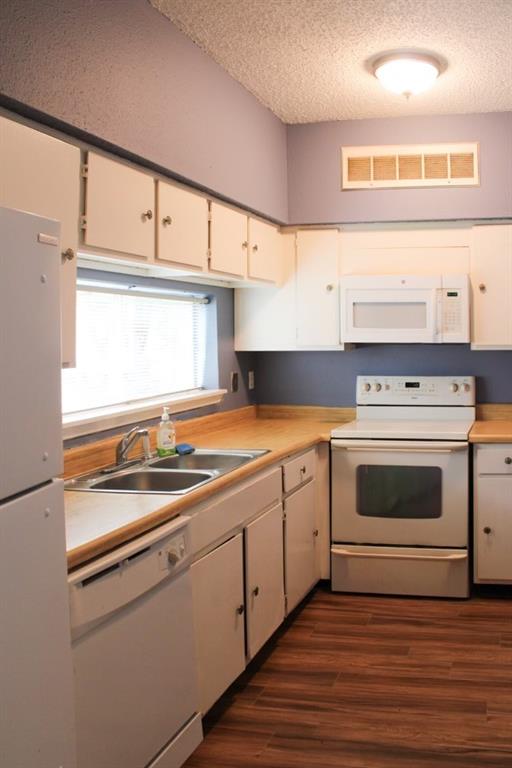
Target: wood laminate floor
x,y
373,682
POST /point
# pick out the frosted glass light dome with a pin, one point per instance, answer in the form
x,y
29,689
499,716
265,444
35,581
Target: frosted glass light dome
x,y
407,73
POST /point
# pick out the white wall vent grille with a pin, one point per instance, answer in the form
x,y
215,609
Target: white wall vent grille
x,y
410,165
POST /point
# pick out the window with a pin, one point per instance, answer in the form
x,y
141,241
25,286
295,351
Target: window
x,y
137,347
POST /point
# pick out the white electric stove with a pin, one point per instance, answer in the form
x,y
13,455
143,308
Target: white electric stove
x,y
400,487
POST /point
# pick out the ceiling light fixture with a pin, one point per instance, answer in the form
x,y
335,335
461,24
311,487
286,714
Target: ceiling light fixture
x,y
407,73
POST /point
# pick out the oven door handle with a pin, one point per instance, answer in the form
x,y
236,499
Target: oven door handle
x,y
396,447
401,556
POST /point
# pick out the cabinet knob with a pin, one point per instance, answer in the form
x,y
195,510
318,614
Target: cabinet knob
x,y
329,287
147,215
255,248
315,533
487,530
508,460
68,255
303,469
482,287
256,591
167,220
240,610
245,244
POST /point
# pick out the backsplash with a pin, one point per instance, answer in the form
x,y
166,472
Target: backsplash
x,y
328,378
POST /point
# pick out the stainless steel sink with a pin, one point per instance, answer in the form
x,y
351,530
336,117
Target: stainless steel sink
x,y
219,461
173,474
148,481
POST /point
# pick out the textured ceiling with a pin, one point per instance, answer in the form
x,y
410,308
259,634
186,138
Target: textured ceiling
x,y
307,59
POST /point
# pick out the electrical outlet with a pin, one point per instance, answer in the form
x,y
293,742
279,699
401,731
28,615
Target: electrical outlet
x,y
250,380
234,381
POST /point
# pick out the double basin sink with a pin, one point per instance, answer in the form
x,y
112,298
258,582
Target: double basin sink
x,y
172,474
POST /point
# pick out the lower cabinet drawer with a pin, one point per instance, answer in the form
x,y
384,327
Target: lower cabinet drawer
x,y
400,570
494,459
297,471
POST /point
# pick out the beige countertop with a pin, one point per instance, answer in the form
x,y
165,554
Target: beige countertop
x,y
98,522
491,432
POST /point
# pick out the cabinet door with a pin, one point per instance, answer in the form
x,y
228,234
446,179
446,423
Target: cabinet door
x,y
301,536
264,577
493,528
318,303
41,174
119,208
182,227
218,595
228,240
263,257
491,283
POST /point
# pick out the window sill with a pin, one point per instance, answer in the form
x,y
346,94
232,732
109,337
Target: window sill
x,y
99,419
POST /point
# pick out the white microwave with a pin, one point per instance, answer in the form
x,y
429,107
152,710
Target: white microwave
x,y
405,309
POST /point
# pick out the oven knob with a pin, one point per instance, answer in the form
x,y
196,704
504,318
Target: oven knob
x,y
466,387
367,387
377,387
454,387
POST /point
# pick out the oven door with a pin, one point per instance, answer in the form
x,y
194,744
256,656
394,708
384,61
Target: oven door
x,y
411,493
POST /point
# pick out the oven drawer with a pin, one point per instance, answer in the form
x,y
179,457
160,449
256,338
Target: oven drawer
x,y
494,459
400,570
297,471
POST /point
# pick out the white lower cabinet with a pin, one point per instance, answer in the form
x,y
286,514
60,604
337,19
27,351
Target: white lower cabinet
x,y
264,582
300,538
218,595
493,514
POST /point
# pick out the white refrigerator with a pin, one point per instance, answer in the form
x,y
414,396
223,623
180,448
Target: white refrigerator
x,y
36,697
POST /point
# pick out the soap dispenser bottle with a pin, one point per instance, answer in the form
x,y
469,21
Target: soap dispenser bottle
x,y
166,436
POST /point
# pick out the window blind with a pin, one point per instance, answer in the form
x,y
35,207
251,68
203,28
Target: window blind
x,y
134,344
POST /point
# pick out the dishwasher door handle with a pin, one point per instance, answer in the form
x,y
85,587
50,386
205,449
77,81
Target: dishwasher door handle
x,y
400,555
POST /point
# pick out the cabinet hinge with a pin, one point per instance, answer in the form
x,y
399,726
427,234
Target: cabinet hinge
x,y
83,222
285,604
209,215
84,171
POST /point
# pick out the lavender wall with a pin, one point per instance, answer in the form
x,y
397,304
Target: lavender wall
x,y
329,378
122,73
314,174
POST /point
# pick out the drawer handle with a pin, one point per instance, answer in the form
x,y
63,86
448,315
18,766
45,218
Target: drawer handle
x,y
315,532
68,255
256,591
147,215
482,287
508,460
167,220
240,610
487,530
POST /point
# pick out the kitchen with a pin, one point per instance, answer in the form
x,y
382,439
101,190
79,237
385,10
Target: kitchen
x,y
182,180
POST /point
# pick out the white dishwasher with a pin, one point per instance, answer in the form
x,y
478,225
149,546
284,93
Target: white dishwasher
x,y
136,693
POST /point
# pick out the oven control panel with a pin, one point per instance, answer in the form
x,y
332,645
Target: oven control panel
x,y
415,390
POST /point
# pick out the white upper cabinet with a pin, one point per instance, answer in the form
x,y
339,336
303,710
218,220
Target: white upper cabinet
x,y
491,286
264,251
229,240
119,208
182,227
41,174
317,288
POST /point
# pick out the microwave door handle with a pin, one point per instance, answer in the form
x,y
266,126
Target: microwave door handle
x,y
402,555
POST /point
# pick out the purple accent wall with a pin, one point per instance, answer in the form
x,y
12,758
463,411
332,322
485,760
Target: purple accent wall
x,y
314,170
329,378
121,72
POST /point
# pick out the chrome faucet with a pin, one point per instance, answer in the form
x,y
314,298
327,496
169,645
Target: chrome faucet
x,y
128,441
